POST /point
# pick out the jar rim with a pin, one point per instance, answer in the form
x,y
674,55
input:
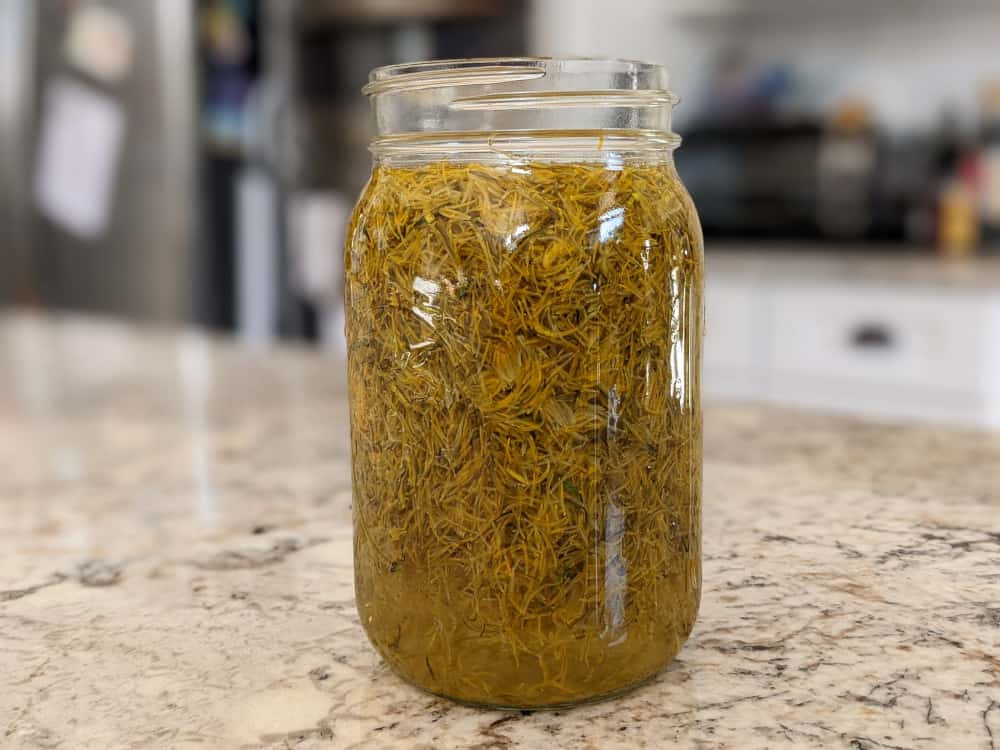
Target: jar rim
x,y
520,94
630,75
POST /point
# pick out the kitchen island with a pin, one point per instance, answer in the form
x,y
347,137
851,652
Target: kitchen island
x,y
176,570
865,332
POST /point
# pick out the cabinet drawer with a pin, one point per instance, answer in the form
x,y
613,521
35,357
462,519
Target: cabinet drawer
x,y
908,337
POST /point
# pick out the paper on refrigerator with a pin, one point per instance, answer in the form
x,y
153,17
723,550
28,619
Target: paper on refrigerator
x,y
78,154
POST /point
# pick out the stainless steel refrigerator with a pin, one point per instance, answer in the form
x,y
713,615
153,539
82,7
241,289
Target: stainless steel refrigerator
x,y
97,168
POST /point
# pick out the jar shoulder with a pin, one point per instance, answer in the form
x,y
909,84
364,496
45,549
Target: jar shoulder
x,y
516,207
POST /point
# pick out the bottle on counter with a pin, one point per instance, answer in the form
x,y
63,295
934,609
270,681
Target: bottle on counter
x,y
989,193
958,222
846,173
958,187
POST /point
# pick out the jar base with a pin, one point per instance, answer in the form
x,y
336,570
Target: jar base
x,y
500,706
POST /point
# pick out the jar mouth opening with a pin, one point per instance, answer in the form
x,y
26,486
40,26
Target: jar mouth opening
x,y
505,94
620,74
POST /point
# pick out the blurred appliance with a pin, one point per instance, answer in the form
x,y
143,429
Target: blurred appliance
x,y
107,191
17,23
754,180
804,179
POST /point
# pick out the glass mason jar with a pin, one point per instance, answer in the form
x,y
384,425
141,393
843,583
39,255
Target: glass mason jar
x,y
524,278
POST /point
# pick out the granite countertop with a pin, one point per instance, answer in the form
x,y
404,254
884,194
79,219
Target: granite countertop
x,y
176,570
870,264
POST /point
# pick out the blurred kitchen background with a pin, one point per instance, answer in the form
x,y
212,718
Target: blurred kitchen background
x,y
183,161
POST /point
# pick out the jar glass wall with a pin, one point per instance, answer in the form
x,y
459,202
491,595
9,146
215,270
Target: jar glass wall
x,y
524,322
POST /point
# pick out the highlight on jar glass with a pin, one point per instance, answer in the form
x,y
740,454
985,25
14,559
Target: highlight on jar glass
x,y
524,279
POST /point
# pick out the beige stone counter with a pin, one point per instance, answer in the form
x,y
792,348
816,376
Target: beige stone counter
x,y
176,571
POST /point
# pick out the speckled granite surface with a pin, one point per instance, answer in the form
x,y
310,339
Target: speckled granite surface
x,y
176,571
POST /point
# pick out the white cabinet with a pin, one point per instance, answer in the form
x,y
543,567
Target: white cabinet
x,y
735,340
876,349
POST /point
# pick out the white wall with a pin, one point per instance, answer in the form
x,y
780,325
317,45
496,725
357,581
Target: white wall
x,y
907,57
631,29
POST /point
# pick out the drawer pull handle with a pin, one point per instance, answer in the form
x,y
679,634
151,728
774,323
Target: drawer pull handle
x,y
872,336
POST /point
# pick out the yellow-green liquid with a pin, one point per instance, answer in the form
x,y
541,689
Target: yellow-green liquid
x,y
524,351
